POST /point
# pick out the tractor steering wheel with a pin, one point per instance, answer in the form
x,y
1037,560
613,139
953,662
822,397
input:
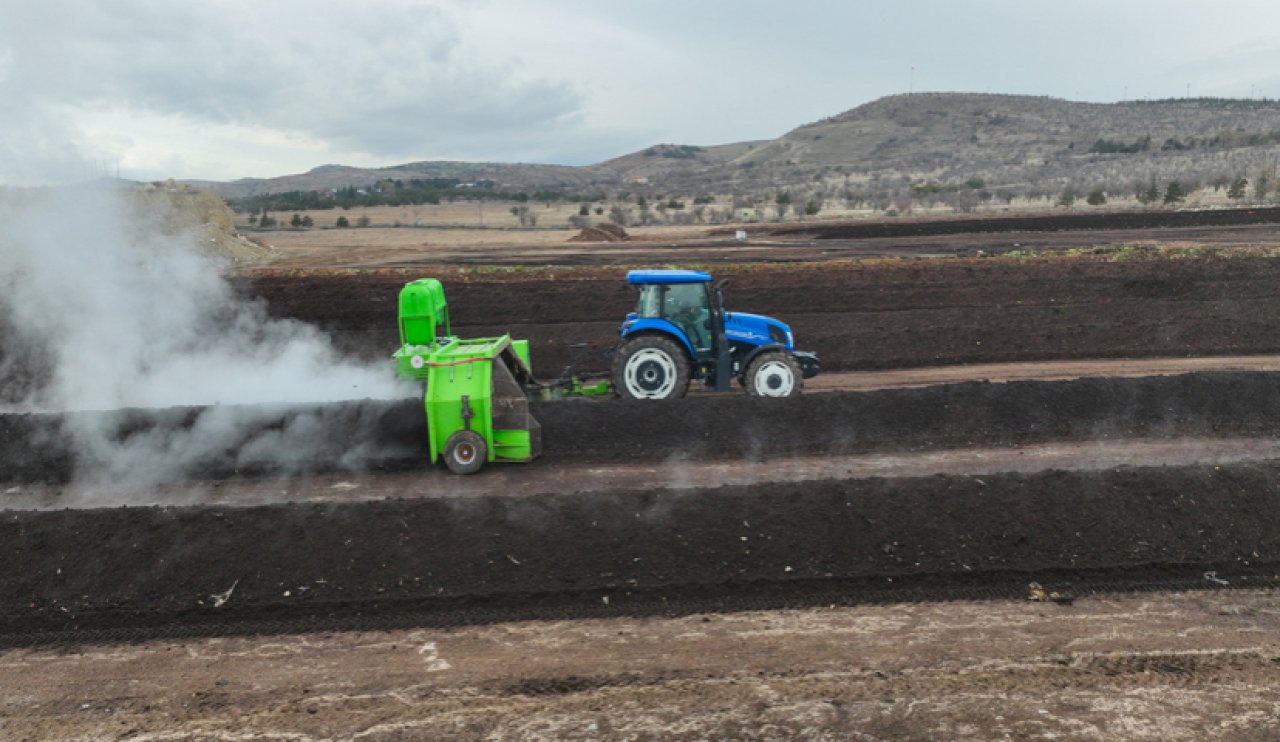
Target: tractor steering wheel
x,y
685,316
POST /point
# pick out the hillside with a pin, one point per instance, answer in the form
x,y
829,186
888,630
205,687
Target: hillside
x,y
661,162
1027,146
1020,141
517,176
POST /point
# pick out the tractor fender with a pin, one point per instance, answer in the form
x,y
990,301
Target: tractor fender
x,y
749,357
658,326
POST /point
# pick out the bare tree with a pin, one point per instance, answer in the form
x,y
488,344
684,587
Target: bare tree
x,y
620,215
523,214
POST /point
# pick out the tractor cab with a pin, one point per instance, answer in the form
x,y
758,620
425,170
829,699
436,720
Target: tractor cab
x,y
680,332
683,298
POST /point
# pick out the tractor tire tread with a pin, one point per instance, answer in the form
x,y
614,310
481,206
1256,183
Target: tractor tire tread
x,y
639,342
753,368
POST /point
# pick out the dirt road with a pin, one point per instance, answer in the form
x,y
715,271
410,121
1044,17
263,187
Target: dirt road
x,y
1189,666
858,381
532,480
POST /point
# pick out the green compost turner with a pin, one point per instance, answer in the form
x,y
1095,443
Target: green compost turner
x,y
477,391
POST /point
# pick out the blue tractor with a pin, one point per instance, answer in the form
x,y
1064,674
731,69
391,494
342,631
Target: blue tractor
x,y
680,332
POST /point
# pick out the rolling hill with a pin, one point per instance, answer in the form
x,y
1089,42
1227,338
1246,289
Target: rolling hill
x,y
1018,143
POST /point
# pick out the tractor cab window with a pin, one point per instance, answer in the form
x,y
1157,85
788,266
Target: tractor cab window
x,y
683,304
683,298
650,306
686,306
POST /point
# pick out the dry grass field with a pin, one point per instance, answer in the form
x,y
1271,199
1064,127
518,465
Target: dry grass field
x,y
491,222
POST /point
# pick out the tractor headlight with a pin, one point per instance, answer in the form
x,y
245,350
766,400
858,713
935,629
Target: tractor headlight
x,y
791,340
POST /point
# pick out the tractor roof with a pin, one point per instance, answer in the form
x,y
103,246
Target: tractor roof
x,y
667,276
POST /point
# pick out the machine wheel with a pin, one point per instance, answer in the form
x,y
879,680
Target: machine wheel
x,y
465,452
773,374
651,367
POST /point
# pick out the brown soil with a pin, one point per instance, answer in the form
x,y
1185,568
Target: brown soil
x,y
92,564
854,315
389,436
1180,667
833,499
855,381
83,568
667,474
811,241
909,227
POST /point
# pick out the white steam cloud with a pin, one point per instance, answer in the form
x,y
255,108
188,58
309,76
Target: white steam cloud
x,y
105,311
133,317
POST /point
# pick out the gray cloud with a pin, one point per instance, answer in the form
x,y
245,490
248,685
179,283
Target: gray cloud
x,y
566,81
387,79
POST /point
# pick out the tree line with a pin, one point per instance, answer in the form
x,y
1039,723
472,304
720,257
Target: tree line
x,y
413,192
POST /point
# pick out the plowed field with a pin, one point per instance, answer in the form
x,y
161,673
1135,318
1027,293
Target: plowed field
x,y
650,542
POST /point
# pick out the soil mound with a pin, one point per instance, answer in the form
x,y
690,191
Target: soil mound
x,y
604,232
201,215
62,567
389,435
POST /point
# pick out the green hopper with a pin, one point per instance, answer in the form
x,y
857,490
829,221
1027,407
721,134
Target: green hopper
x,y
476,390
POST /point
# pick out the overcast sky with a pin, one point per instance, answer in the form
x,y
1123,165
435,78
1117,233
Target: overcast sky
x,y
223,89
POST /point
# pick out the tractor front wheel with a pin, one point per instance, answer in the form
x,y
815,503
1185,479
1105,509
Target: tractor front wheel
x,y
651,367
773,374
465,452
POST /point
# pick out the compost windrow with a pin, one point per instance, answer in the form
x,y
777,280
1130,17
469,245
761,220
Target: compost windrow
x,y
861,315
62,568
392,435
855,316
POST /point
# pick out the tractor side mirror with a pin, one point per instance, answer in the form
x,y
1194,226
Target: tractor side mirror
x,y
720,293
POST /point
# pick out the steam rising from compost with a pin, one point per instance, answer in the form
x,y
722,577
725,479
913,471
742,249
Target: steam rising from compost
x,y
119,311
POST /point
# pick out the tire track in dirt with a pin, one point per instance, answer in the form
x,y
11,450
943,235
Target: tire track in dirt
x,y
672,474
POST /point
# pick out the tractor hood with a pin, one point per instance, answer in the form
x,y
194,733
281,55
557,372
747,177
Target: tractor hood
x,y
756,329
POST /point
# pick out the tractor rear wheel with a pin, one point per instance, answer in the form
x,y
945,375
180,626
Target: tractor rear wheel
x,y
465,452
773,374
651,367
